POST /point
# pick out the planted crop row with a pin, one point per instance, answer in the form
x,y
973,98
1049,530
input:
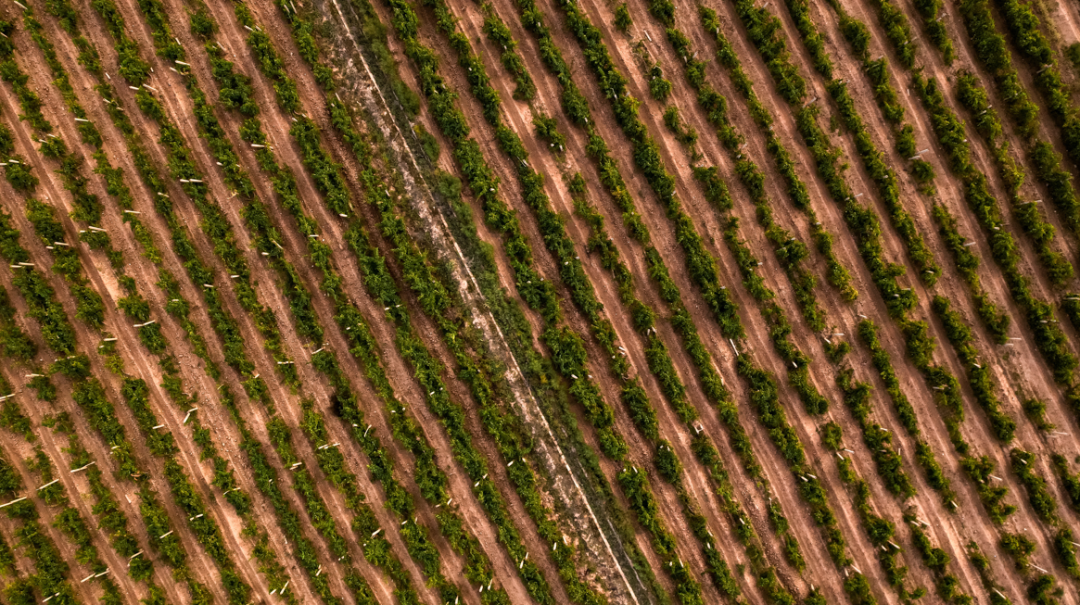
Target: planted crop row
x,y
873,160
507,433
836,274
876,438
982,385
70,522
1044,503
431,479
863,224
216,224
937,560
18,347
703,272
198,271
932,13
512,62
505,429
1049,338
974,98
993,53
600,242
332,462
879,530
182,167
967,264
568,348
1060,270
762,27
1070,483
138,310
50,571
1023,24
857,35
221,234
89,307
660,364
788,251
924,454
89,394
986,574
17,585
577,109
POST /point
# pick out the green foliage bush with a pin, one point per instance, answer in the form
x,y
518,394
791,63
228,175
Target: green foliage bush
x,y
547,129
622,18
1040,497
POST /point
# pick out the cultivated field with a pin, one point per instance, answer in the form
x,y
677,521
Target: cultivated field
x,y
540,301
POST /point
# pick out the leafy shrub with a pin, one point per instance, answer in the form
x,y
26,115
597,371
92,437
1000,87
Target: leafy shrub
x,y
1040,497
622,18
547,129
1035,408
667,463
428,142
1072,52
1019,548
659,86
832,436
